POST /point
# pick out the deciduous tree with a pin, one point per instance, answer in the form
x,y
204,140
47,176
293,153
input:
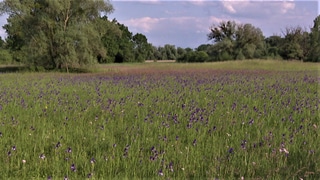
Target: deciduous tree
x,y
314,54
56,33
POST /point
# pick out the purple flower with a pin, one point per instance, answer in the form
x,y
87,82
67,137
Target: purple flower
x,y
152,148
194,142
160,172
42,156
89,175
13,148
58,144
69,150
73,168
171,166
231,150
92,160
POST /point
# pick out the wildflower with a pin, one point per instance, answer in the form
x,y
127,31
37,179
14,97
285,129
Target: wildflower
x,y
92,160
42,156
153,149
73,168
49,178
160,172
24,161
284,150
58,144
231,150
65,178
9,153
69,150
194,142
171,166
89,175
13,148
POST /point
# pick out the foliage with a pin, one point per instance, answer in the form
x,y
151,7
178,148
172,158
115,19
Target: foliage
x,y
295,44
236,41
55,34
5,57
314,54
194,56
122,46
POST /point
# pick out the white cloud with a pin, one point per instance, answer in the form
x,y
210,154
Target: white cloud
x,y
144,24
256,8
229,7
287,6
171,24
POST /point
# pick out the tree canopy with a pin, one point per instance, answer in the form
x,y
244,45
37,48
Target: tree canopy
x,y
55,34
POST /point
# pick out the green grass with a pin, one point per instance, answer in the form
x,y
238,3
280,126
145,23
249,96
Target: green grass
x,y
274,65
191,121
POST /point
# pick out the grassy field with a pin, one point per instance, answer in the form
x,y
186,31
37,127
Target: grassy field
x,y
227,120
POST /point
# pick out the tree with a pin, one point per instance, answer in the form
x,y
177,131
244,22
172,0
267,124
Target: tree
x,y
225,30
314,54
180,52
1,42
294,45
236,41
273,45
110,40
203,47
56,34
141,47
250,41
5,56
170,51
194,56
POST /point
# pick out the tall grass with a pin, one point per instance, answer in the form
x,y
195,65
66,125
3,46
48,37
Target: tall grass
x,y
203,124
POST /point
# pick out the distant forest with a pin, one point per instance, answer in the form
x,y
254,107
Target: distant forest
x,y
68,34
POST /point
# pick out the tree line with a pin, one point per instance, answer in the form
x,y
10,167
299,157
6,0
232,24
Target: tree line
x,y
69,34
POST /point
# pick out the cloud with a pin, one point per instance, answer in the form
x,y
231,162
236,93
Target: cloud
x,y
229,7
287,6
258,8
148,24
144,24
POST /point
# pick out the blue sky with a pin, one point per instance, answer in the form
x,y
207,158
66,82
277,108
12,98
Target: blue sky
x,y
187,23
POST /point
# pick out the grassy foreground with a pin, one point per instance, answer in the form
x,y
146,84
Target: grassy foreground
x,y
163,121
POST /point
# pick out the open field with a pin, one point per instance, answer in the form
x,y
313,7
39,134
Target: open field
x,y
228,120
159,66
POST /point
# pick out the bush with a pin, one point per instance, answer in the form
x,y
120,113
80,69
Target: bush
x,y
194,56
5,57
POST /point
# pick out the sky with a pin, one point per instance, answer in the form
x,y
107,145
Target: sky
x,y
186,23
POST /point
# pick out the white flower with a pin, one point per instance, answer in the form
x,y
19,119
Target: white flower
x,y
24,161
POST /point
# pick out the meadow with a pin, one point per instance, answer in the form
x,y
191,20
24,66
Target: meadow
x,y
227,120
